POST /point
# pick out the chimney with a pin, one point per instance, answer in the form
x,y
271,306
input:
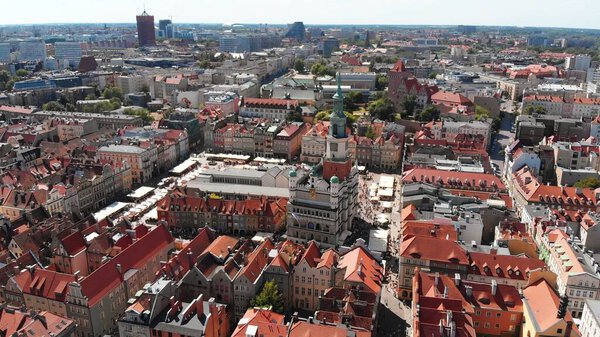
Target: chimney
x,y
119,268
172,301
457,279
200,305
16,269
469,291
445,292
494,287
437,278
190,257
441,327
452,329
448,317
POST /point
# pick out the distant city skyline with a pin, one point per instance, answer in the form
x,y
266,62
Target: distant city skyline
x,y
531,13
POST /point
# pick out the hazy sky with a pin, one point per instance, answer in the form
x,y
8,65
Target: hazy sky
x,y
546,13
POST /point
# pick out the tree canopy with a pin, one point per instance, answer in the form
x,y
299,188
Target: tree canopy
x,y
382,108
113,92
530,110
481,113
321,69
139,112
53,106
299,66
269,296
590,182
409,105
428,114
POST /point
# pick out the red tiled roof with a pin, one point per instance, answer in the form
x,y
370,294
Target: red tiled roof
x,y
104,279
312,255
450,97
74,243
183,261
275,102
257,261
306,329
435,249
503,266
221,246
269,323
44,283
440,228
543,302
361,267
454,180
399,66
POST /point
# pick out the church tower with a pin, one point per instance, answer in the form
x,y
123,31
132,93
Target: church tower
x,y
337,161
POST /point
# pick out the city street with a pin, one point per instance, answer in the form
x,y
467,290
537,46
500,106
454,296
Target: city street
x,y
503,138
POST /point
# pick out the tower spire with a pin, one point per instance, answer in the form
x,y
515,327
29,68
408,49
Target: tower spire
x,y
338,99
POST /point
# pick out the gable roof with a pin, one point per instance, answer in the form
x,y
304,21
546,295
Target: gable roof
x,y
104,279
361,267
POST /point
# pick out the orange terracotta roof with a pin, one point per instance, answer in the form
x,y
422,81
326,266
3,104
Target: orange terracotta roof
x,y
268,323
503,266
543,302
221,246
361,267
435,249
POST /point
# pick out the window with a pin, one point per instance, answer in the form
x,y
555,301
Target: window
x,y
498,314
477,312
476,324
488,314
487,324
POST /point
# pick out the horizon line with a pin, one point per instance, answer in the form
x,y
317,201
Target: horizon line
x,y
306,24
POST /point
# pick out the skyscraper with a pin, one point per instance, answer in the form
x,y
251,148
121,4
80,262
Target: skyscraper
x,y
145,28
68,54
165,28
296,31
32,50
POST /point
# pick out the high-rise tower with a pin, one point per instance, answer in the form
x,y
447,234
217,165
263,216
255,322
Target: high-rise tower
x,y
145,29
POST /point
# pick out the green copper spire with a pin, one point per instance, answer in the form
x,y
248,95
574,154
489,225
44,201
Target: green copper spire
x,y
338,99
337,119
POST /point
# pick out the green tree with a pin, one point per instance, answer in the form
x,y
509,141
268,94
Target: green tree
x,y
299,66
90,97
22,73
116,103
433,75
382,108
111,92
145,88
481,113
590,182
409,105
139,112
295,116
269,296
381,82
428,114
322,116
204,64
321,69
370,133
53,106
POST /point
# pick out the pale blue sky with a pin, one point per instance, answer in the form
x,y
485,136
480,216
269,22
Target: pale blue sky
x,y
547,13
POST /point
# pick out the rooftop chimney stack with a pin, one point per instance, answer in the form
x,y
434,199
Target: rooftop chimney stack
x,y
457,279
494,287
